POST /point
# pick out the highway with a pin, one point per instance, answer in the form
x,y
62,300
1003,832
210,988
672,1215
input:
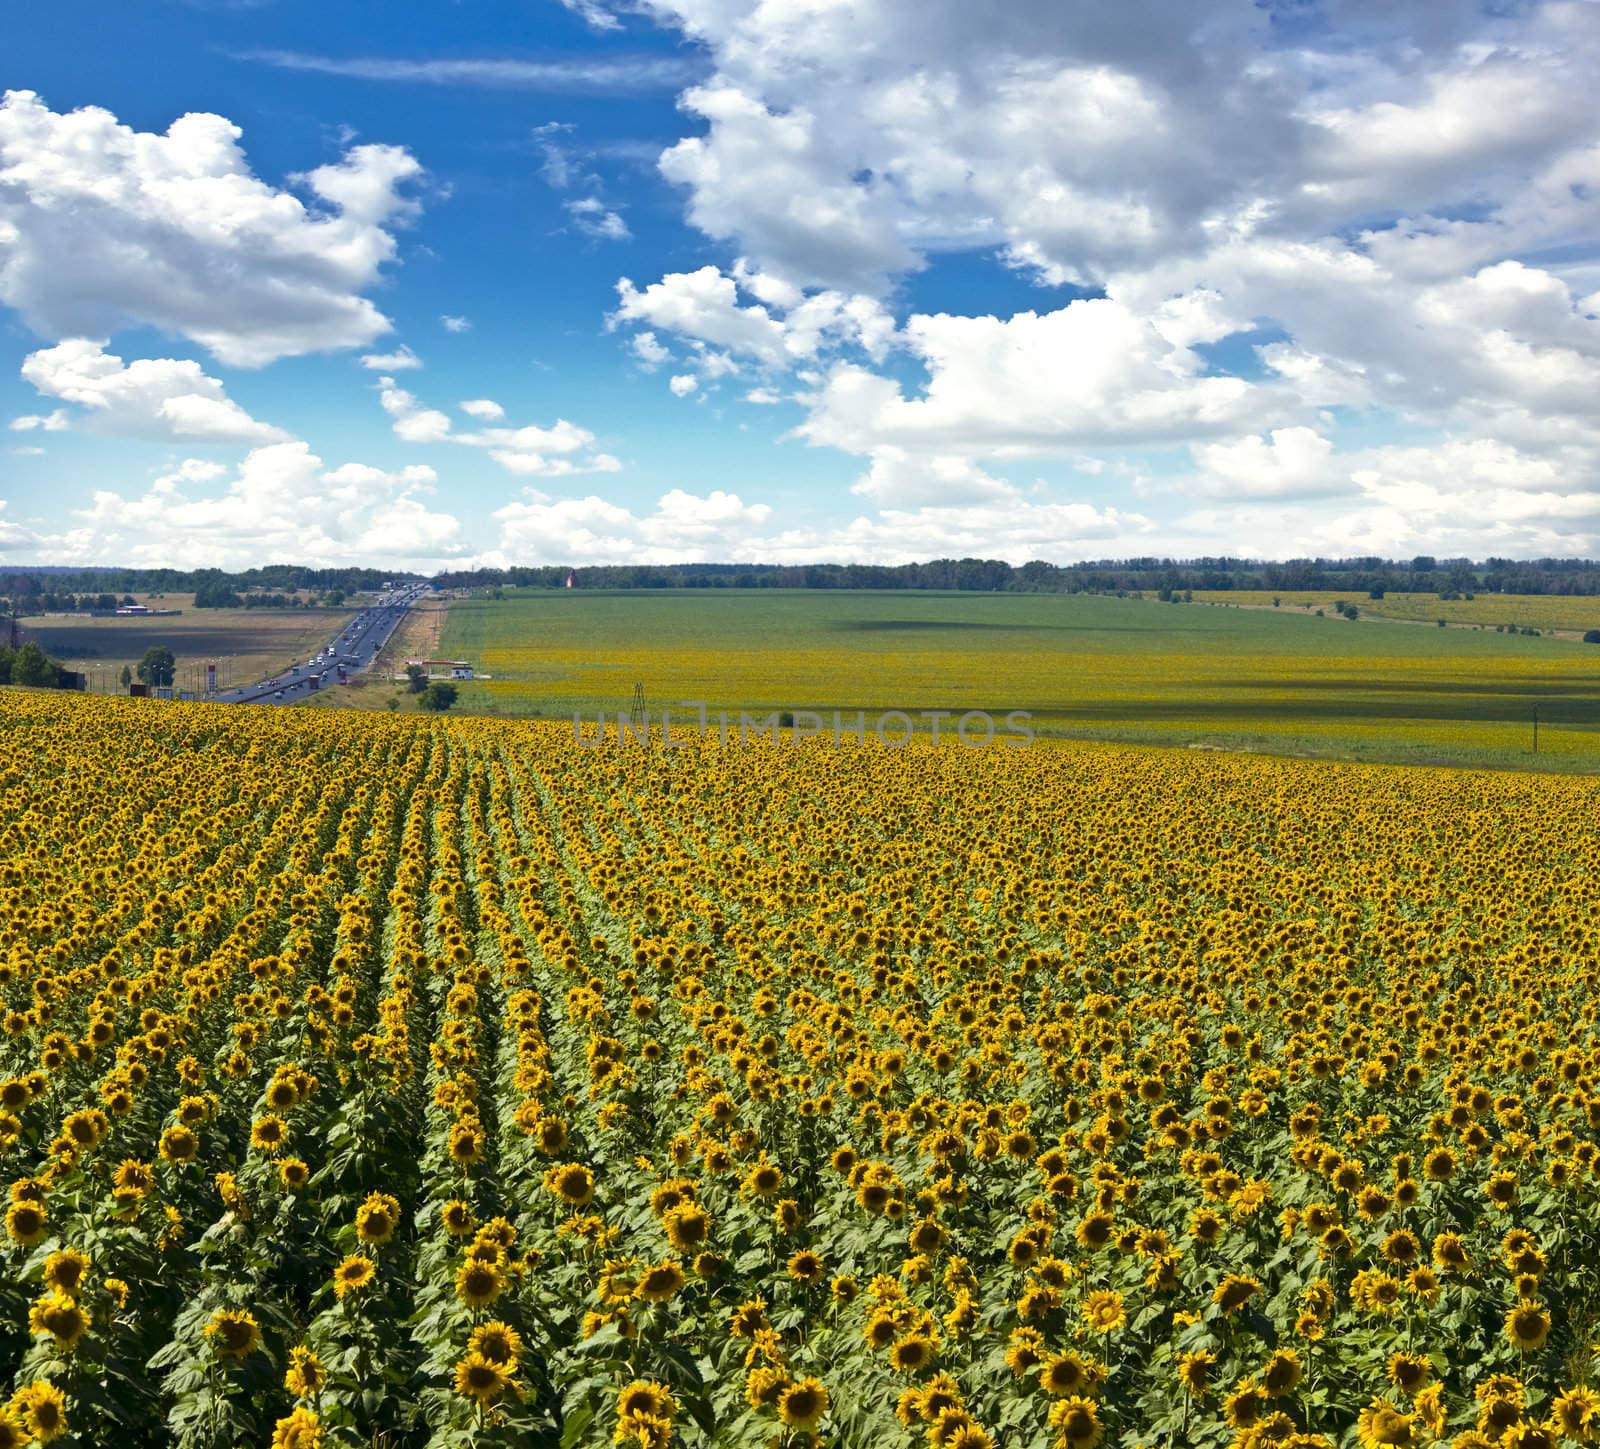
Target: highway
x,y
354,647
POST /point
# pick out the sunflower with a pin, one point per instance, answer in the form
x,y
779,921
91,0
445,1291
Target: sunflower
x,y
27,1222
1194,1372
1501,1190
13,1433
1409,1372
133,1175
1531,1436
234,1333
354,1272
299,1429
763,1384
572,1182
1062,1375
659,1283
912,1354
1234,1291
1244,1407
1076,1421
1577,1412
466,1145
1439,1165
269,1134
1450,1254
1095,1230
805,1267
1281,1373
1527,1326
293,1174
458,1218
304,1377
180,1144
479,1282
801,1405
64,1271
480,1379
1103,1311
59,1315
1380,1424
44,1410
763,1180
498,1342
377,1218
643,1397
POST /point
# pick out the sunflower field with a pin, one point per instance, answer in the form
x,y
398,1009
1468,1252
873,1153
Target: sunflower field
x,y
393,1082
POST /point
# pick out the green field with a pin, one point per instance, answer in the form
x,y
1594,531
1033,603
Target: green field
x,y
1083,665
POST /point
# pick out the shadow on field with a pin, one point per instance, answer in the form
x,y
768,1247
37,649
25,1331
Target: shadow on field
x,y
1323,703
865,626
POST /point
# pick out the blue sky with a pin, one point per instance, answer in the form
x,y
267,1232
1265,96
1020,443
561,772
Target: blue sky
x,y
1198,277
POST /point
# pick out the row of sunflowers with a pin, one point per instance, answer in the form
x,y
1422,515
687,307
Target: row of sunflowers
x,y
387,1082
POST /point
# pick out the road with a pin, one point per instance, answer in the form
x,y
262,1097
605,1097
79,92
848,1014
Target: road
x,y
355,647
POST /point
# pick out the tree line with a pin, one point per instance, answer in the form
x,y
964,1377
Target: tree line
x,y
39,590
1370,576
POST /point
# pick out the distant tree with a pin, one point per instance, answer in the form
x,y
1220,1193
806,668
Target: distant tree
x,y
1374,593
1351,612
158,665
439,697
1591,636
32,666
216,594
8,658
335,598
127,676
417,678
392,703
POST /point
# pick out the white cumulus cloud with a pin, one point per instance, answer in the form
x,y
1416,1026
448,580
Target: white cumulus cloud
x,y
104,227
556,451
152,397
281,502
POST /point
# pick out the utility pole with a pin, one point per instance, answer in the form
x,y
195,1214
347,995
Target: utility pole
x,y
1536,729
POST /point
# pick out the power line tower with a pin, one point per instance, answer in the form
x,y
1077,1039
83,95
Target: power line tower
x,y
636,714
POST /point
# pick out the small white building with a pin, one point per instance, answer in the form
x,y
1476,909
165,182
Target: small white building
x,y
443,668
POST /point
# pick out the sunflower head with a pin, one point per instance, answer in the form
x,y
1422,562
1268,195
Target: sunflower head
x,y
300,1428
801,1405
912,1354
26,1222
65,1271
479,1282
377,1218
44,1410
304,1377
234,1333
480,1379
498,1342
646,1399
658,1283
573,1183
354,1273
59,1315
